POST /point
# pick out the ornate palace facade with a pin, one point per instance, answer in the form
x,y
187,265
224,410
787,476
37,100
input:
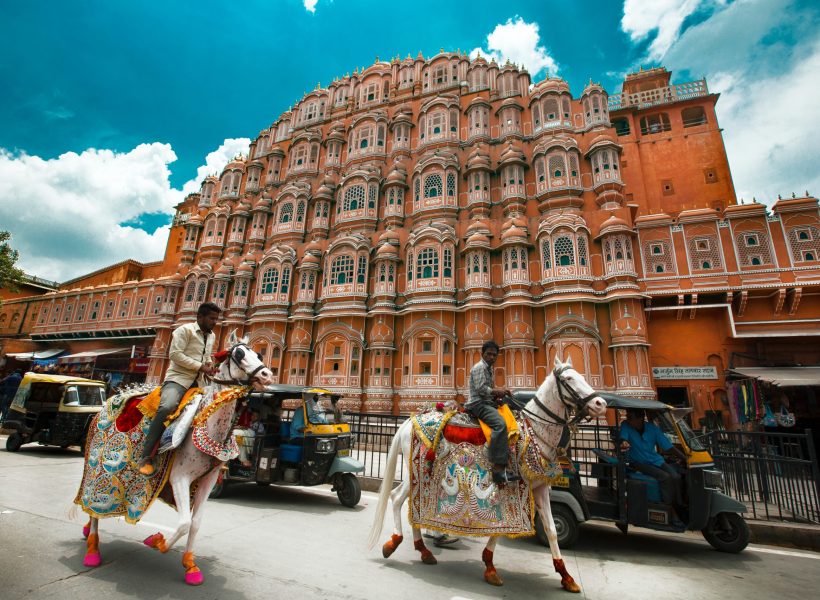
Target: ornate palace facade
x,y
379,232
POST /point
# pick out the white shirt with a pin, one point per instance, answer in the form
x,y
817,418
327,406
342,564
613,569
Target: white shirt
x,y
190,348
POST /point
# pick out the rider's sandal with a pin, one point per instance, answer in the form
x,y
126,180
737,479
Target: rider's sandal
x,y
147,469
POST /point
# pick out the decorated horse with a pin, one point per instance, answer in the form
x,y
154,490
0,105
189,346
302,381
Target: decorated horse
x,y
112,485
451,487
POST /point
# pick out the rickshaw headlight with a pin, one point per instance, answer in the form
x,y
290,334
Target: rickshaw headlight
x,y
326,446
713,479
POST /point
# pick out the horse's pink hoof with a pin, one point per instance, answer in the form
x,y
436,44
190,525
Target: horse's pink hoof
x,y
92,559
86,531
194,578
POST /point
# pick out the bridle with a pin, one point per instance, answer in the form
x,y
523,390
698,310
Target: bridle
x,y
569,397
235,355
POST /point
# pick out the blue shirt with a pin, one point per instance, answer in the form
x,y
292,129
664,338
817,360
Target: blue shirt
x,y
642,446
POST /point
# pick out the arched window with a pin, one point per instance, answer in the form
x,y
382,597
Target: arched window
x,y
564,252
341,270
286,213
270,281
432,186
427,264
189,291
285,281
448,262
354,197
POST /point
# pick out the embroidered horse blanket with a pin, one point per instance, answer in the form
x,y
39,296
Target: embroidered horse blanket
x,y
451,485
111,485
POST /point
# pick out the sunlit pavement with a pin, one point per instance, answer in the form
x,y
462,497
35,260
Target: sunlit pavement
x,y
275,542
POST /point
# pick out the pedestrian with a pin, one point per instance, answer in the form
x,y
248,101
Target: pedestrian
x,y
483,402
189,355
8,388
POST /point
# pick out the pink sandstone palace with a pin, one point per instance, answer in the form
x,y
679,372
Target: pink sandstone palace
x,y
380,231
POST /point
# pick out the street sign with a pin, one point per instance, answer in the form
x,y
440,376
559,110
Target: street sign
x,y
684,372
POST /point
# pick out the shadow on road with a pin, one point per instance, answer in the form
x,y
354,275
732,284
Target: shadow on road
x,y
605,543
288,498
138,572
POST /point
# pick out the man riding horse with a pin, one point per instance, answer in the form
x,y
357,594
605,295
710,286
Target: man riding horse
x,y
483,405
190,355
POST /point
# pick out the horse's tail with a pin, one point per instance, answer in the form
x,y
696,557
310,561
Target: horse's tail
x,y
386,487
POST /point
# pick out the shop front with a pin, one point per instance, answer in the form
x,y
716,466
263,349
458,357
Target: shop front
x,y
114,366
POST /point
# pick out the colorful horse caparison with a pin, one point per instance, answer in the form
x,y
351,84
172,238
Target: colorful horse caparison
x,y
112,485
543,419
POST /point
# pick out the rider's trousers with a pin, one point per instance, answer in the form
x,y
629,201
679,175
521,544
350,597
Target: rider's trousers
x,y
499,451
170,397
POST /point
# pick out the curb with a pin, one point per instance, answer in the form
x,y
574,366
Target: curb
x,y
790,535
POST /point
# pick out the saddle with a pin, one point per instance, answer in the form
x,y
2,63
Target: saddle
x,y
137,407
463,427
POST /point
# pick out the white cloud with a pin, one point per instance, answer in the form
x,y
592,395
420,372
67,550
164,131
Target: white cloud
x,y
216,161
665,17
65,214
518,41
752,54
310,5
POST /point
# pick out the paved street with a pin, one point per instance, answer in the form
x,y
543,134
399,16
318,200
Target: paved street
x,y
300,543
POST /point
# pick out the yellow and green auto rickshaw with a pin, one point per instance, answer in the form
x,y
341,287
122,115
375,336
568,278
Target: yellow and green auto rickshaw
x,y
52,410
311,447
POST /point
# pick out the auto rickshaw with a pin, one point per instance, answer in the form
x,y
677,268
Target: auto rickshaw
x,y
312,447
612,491
53,410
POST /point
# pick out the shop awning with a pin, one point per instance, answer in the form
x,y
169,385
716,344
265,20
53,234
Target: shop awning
x,y
90,355
37,354
781,376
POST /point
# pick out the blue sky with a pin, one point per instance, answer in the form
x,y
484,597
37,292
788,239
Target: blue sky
x,y
112,109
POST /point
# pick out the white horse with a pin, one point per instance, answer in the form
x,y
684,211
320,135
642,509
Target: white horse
x,y
241,366
563,391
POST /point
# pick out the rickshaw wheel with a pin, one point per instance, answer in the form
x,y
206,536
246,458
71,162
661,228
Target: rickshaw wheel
x,y
14,441
727,532
348,489
566,526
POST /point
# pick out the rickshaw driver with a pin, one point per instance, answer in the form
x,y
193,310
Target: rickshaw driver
x,y
482,405
190,355
641,438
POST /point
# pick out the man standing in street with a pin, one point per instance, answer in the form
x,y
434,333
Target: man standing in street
x,y
482,404
8,388
190,354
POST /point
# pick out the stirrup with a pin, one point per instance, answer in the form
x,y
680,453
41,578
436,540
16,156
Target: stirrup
x,y
505,476
147,469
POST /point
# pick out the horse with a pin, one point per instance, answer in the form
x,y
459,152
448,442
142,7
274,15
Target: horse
x,y
193,472
547,415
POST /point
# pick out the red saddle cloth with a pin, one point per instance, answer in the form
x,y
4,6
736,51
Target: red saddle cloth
x,y
130,415
456,434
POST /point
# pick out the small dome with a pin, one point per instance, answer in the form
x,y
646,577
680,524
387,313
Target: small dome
x,y
398,176
478,240
262,203
245,269
195,219
513,233
310,259
512,153
314,246
223,272
387,251
478,160
477,226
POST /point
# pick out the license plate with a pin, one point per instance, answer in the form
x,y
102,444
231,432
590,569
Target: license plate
x,y
343,452
561,482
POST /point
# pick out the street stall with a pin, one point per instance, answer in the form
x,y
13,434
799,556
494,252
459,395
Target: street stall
x,y
37,361
114,366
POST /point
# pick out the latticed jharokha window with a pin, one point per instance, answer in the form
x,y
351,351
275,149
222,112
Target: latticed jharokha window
x,y
286,213
432,186
564,252
341,270
354,198
427,264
